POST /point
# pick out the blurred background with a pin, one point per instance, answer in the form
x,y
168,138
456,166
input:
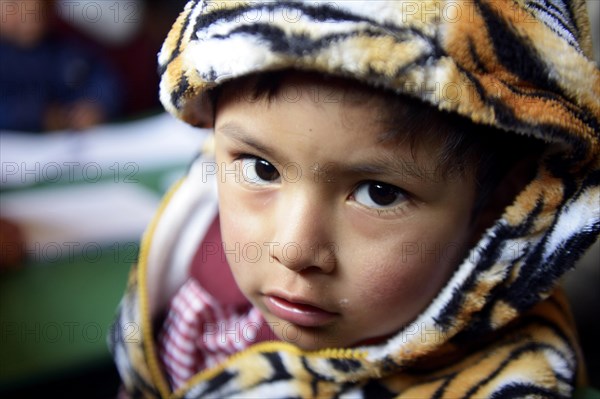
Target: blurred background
x,y
86,154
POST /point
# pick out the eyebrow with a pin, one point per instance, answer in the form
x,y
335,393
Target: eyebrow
x,y
383,165
238,133
386,165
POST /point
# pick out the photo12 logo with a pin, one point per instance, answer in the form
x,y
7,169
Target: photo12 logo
x,y
68,172
66,332
71,251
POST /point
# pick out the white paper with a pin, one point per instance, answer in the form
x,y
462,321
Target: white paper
x,y
76,218
104,151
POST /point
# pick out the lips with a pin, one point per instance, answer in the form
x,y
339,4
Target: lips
x,y
298,312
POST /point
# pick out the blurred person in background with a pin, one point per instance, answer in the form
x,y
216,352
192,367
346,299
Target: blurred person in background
x,y
46,81
127,32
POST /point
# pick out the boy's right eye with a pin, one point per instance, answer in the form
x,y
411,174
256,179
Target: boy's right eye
x,y
258,171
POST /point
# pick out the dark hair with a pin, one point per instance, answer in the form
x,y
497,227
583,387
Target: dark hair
x,y
485,152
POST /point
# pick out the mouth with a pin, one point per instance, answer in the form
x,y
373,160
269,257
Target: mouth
x,y
298,311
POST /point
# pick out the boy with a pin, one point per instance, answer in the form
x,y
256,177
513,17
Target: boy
x,y
381,245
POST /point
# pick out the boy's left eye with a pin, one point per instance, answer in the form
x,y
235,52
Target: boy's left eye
x,y
258,171
375,194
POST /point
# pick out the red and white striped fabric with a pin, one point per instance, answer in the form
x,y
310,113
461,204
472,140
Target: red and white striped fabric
x,y
199,332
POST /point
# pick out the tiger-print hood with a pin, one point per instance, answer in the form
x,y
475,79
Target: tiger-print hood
x,y
523,66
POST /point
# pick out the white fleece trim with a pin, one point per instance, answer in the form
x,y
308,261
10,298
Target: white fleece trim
x,y
175,239
573,218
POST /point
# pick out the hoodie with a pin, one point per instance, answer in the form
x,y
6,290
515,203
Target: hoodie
x,y
502,328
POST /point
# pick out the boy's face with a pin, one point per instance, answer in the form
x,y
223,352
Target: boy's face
x,y
337,236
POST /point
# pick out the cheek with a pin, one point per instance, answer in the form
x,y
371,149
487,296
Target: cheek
x,y
242,238
233,233
226,210
233,239
396,280
244,208
404,273
243,221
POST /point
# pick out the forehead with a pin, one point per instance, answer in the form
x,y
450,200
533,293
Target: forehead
x,y
333,102
391,119
291,86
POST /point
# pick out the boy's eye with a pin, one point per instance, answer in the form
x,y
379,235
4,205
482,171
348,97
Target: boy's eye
x,y
258,171
378,195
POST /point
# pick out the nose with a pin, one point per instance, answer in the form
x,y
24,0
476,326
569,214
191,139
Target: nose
x,y
304,236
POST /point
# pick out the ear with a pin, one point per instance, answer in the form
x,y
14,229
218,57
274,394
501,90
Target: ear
x,y
200,112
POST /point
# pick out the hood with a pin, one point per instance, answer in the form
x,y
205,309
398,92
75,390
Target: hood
x,y
523,66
